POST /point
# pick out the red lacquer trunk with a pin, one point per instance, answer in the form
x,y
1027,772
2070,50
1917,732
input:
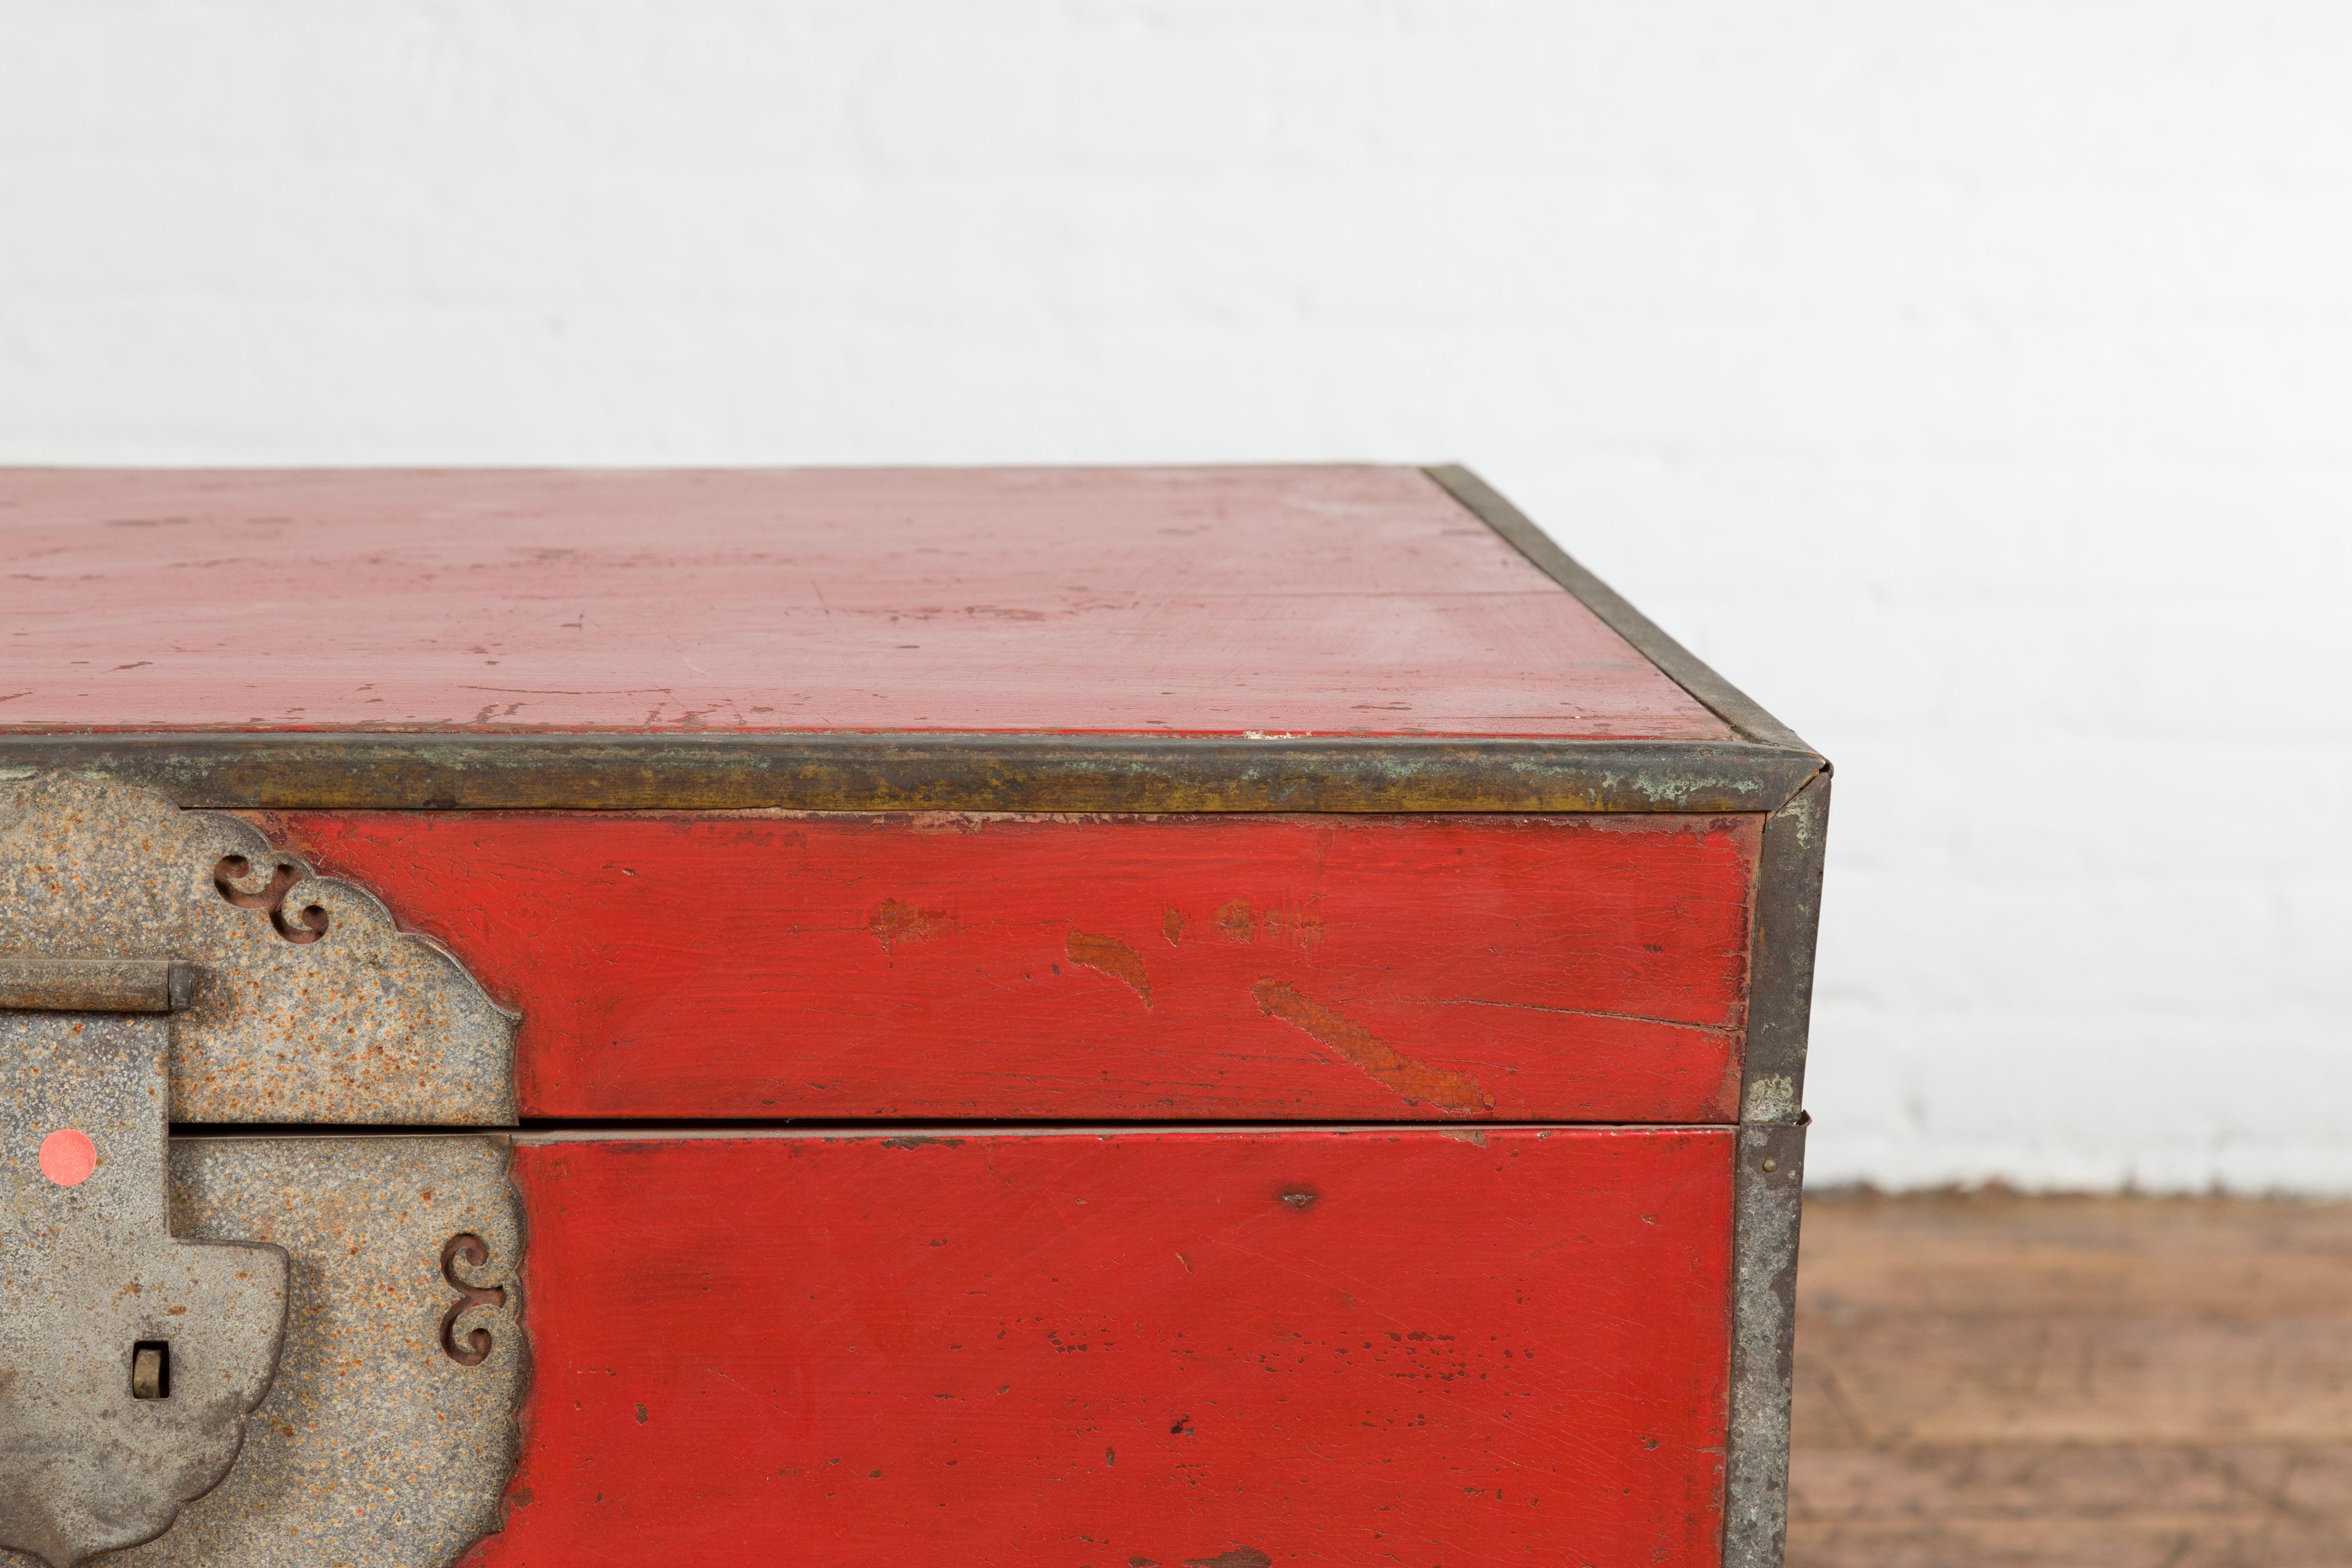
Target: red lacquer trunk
x,y
1070,1019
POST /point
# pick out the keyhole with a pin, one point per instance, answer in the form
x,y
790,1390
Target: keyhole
x,y
151,1369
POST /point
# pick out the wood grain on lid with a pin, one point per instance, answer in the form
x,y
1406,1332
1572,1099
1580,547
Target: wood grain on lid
x,y
1209,601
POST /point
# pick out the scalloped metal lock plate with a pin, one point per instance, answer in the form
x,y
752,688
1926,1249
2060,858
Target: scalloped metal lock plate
x,y
302,1350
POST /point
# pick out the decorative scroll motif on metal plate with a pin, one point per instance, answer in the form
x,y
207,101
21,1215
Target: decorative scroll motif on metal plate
x,y
130,1361
309,1004
475,1346
373,1448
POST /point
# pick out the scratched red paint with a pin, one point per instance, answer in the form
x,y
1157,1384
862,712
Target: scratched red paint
x,y
1071,1351
1374,968
1333,600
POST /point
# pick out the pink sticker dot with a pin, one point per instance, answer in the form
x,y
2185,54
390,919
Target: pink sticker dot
x,y
67,1157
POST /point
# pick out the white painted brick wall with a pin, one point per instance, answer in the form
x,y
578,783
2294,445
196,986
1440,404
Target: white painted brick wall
x,y
1973,383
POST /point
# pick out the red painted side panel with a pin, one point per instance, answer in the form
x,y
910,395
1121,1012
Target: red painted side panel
x,y
1338,600
1422,1347
1534,968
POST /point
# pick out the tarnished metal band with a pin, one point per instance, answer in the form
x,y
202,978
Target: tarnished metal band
x,y
1768,1202
96,984
300,1000
926,772
1780,965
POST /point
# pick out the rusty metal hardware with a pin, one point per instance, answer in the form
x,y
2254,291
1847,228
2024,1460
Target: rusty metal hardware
x,y
240,1352
96,984
129,1359
386,1026
470,1250
374,1448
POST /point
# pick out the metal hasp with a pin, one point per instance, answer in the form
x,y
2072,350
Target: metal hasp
x,y
306,1003
129,1360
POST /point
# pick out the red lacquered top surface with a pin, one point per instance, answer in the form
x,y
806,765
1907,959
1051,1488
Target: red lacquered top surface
x,y
1213,601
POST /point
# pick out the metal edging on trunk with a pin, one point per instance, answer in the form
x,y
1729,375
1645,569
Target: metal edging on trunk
x,y
1780,955
1768,1198
1769,1187
925,771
